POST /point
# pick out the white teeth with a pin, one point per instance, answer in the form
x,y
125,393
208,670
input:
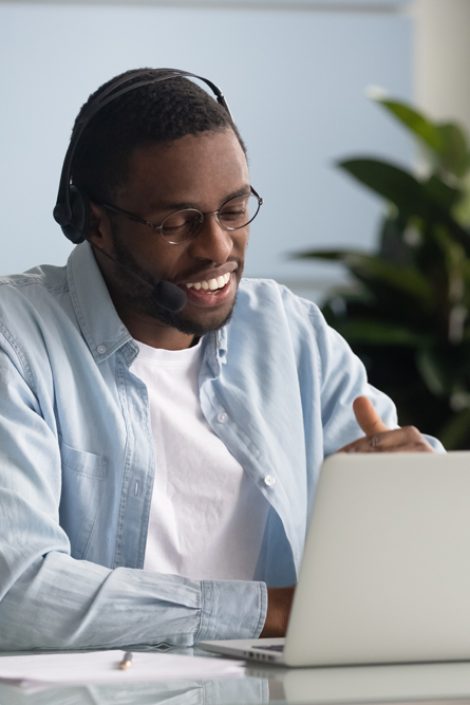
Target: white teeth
x,y
210,284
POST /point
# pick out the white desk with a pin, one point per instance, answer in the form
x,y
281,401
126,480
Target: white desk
x,y
436,683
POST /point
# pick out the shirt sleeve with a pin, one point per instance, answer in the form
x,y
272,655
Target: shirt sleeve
x,y
343,378
50,600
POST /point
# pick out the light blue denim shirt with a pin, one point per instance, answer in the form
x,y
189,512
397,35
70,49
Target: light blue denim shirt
x,y
77,458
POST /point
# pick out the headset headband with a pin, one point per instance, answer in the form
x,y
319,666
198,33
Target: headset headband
x,y
71,210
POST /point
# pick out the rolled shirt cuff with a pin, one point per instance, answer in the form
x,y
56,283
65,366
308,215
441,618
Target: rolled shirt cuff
x,y
232,609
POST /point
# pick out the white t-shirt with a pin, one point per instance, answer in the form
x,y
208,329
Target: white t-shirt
x,y
207,518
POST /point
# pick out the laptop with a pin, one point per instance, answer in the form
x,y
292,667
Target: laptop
x,y
385,575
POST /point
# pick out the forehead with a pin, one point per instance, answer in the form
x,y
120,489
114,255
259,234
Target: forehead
x,y
200,169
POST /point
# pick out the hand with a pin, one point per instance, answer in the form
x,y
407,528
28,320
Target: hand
x,y
378,438
279,606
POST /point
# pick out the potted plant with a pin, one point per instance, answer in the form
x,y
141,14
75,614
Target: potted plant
x,y
406,313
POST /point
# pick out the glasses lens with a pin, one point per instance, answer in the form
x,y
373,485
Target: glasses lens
x,y
239,211
181,225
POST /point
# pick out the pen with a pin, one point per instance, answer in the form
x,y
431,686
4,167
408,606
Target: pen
x,y
126,661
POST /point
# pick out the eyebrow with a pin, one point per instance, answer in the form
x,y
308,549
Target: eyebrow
x,y
174,205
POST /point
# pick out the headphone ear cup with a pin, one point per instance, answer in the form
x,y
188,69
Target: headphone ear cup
x,y
77,229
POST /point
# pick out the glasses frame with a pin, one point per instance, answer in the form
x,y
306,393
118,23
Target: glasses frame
x,y
158,227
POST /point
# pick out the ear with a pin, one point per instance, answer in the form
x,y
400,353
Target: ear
x,y
100,231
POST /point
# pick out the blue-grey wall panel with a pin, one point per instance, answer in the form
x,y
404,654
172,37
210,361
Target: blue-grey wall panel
x,y
295,81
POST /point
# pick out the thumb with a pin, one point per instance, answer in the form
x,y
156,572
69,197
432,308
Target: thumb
x,y
367,417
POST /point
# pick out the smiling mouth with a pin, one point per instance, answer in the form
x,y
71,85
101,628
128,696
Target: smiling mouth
x,y
210,284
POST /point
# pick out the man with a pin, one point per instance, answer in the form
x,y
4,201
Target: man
x,y
162,422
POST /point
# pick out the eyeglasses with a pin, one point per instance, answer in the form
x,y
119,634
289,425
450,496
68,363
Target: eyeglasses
x,y
185,224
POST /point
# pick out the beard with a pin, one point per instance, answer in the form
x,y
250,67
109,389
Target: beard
x,y
141,296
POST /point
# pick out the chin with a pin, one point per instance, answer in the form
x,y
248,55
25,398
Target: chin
x,y
201,325
194,323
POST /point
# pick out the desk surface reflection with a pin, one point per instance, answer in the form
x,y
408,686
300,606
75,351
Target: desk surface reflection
x,y
432,683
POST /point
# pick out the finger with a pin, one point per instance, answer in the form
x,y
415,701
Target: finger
x,y
367,417
406,439
421,447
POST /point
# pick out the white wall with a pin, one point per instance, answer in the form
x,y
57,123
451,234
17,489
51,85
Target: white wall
x,y
294,75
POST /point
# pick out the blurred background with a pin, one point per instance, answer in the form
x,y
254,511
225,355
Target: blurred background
x,y
295,74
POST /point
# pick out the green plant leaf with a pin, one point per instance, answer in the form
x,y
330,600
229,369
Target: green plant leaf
x,y
398,240
461,211
454,152
411,197
329,255
446,141
423,128
441,193
389,181
375,270
366,332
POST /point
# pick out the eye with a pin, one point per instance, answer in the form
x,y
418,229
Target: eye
x,y
234,210
186,219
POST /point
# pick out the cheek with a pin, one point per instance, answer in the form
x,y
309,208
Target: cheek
x,y
159,257
242,243
240,239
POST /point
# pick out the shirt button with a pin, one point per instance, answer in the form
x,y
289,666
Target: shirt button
x,y
269,480
101,349
222,417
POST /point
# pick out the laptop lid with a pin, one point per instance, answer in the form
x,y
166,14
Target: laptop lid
x,y
385,576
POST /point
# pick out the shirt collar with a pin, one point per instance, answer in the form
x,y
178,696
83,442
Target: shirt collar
x,y
99,322
221,344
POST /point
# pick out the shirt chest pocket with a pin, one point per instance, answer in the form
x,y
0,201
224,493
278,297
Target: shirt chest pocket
x,y
83,491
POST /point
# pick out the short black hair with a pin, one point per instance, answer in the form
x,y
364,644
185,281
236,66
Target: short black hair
x,y
162,111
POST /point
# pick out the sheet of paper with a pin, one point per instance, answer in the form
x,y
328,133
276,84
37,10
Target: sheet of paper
x,y
91,667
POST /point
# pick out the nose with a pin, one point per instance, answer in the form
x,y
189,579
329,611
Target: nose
x,y
212,243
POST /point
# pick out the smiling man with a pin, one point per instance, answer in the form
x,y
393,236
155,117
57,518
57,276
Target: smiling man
x,y
197,201
162,419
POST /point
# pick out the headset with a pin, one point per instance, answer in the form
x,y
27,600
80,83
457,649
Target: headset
x,y
72,209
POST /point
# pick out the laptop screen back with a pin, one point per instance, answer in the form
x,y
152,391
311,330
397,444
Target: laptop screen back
x,y
385,575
